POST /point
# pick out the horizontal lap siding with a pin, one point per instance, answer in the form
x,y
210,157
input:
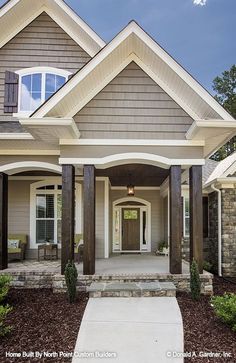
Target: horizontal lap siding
x,y
100,233
19,207
133,106
19,211
42,43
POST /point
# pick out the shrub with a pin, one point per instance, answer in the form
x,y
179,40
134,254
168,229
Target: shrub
x,y
4,286
207,266
195,283
162,245
225,308
4,310
4,329
71,275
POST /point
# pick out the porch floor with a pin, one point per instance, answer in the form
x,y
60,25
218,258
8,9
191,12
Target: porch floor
x,y
115,265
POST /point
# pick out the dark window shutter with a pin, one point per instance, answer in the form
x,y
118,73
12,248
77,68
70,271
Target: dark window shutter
x,y
11,92
205,216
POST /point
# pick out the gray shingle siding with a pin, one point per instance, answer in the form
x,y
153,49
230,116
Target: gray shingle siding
x,y
41,43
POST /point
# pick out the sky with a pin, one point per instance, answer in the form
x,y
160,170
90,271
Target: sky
x,y
199,34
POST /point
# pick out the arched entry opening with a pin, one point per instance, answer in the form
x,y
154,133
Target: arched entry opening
x,y
131,225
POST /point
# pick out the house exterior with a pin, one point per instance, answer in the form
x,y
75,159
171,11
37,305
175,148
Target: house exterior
x,y
81,120
220,243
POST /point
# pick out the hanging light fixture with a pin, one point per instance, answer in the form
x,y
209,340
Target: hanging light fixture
x,y
130,190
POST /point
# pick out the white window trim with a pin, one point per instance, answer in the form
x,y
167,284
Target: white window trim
x,y
145,207
34,70
34,192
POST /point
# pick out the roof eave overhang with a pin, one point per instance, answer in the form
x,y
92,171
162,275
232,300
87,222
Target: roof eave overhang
x,y
51,129
139,37
221,183
59,11
215,132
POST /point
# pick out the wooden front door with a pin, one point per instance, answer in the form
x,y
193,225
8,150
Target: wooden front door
x,y
130,229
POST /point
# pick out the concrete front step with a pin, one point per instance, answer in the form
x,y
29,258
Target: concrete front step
x,y
131,289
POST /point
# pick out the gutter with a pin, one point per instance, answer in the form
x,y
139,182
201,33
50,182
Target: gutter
x,y
219,230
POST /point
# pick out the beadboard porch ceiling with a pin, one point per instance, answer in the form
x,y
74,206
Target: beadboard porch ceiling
x,y
136,174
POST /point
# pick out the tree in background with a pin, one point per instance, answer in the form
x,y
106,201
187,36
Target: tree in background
x,y
225,88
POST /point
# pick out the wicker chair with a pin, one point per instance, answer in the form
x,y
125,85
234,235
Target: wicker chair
x,y
19,252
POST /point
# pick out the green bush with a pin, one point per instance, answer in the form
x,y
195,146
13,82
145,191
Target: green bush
x,y
71,275
162,245
4,310
4,329
195,283
4,286
207,266
225,308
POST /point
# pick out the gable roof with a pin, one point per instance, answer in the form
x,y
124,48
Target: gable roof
x,y
225,168
133,44
207,169
15,15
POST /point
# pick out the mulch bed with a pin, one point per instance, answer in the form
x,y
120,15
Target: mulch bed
x,y
42,321
203,332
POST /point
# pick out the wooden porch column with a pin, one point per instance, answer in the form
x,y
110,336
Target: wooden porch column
x,y
175,220
68,215
196,222
3,220
89,220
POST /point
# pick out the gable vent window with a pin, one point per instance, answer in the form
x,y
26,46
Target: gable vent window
x,y
34,87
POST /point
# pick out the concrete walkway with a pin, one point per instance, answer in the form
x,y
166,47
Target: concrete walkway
x,y
130,330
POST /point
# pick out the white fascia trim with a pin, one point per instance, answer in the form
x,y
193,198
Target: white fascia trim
x,y
139,142
198,124
51,122
230,182
68,11
231,170
47,121
30,152
224,168
91,52
18,29
8,6
119,159
81,23
182,73
54,100
135,29
165,87
16,136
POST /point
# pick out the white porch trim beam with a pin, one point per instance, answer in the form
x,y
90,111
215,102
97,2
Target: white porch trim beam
x,y
143,158
29,152
16,136
138,142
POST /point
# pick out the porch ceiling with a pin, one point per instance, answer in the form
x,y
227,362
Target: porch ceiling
x,y
136,174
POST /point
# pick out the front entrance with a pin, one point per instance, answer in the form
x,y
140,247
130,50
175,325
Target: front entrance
x,y
131,225
130,229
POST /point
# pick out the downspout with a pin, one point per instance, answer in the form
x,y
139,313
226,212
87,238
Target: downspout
x,y
219,230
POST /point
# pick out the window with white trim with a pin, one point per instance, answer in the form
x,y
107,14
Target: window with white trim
x,y
37,84
46,212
